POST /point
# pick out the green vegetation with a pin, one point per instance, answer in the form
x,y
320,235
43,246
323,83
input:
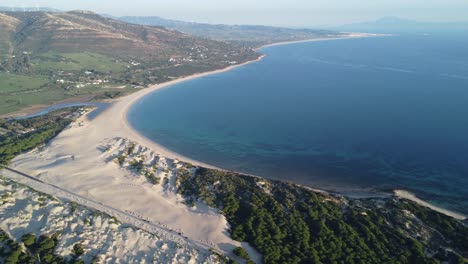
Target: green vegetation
x,y
241,253
11,252
77,62
11,83
28,240
291,224
165,181
18,91
39,66
26,134
222,259
130,149
52,77
137,165
40,250
73,207
121,159
151,177
78,250
451,230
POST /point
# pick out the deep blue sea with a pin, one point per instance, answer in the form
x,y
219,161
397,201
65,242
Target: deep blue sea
x,y
372,113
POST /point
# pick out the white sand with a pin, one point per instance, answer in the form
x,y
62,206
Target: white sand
x,y
75,161
25,211
407,195
349,35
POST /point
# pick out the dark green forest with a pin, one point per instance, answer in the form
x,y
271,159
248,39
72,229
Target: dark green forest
x,y
291,224
23,135
38,250
286,223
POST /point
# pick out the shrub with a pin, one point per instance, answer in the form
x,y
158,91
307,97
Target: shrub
x,y
241,253
78,250
121,159
28,239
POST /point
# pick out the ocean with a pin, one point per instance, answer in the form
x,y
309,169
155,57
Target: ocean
x,y
354,114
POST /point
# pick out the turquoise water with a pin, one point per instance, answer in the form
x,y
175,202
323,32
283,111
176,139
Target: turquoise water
x,y
374,113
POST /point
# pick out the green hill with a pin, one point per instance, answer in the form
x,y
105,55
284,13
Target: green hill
x,y
252,35
50,56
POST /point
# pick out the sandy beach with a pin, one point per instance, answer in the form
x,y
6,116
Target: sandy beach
x,y
409,196
131,99
349,36
82,160
126,102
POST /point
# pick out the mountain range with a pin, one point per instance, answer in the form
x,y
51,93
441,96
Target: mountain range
x,y
83,31
400,25
255,35
48,57
28,9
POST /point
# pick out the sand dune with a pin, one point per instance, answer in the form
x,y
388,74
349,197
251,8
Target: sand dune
x,y
25,211
81,159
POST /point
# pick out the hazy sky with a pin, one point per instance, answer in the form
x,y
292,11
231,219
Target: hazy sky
x,y
268,12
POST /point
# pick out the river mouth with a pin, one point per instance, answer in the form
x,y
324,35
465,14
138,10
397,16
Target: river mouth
x,y
100,107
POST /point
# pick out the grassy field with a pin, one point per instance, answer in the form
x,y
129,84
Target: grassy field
x,y
111,53
10,83
12,103
28,79
40,84
77,62
9,103
18,92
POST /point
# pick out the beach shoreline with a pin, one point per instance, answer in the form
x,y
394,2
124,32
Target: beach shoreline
x,y
350,36
403,194
135,97
83,159
172,154
33,109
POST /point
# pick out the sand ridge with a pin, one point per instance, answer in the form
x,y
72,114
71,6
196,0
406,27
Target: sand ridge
x,y
27,211
75,161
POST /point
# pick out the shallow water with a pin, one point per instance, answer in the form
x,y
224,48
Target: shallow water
x,y
99,108
379,113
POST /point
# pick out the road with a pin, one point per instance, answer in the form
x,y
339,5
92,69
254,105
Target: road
x,y
123,216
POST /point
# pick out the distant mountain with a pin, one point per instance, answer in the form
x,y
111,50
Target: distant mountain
x,y
253,34
50,56
84,31
28,9
399,25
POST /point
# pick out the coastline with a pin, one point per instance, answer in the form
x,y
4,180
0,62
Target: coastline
x,y
410,196
33,109
350,36
133,98
82,160
74,161
169,153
